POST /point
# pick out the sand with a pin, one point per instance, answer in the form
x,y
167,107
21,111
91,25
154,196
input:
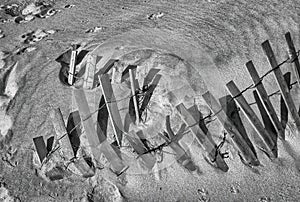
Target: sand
x,y
216,38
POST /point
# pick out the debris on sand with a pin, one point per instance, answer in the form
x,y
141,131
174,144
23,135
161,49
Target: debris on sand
x,y
94,29
154,16
35,36
1,34
29,12
4,195
203,195
69,6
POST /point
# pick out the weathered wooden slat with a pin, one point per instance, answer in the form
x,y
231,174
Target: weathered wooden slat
x,y
245,151
133,90
253,119
107,64
269,126
61,133
90,72
147,158
293,55
41,148
265,99
207,145
284,89
112,107
66,146
284,112
93,139
72,67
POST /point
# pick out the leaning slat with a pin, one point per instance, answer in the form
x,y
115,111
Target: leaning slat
x,y
133,90
281,83
112,107
253,119
41,148
245,151
89,72
61,133
265,99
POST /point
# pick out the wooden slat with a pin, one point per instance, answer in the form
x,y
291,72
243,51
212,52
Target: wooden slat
x,y
72,67
281,83
89,127
66,147
265,99
293,55
61,133
41,148
133,90
245,151
89,72
207,145
148,159
112,107
253,119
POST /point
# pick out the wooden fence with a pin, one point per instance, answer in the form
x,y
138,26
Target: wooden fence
x,y
99,144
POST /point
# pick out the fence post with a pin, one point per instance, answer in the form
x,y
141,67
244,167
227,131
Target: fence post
x,y
241,145
253,119
133,90
293,55
284,89
112,107
265,99
72,66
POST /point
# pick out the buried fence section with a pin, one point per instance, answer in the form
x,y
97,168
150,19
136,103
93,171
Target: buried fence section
x,y
293,55
252,117
240,144
148,159
265,98
284,89
66,145
208,146
97,148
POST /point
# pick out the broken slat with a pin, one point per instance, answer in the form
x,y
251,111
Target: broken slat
x,y
265,98
207,145
134,97
72,67
245,151
116,163
41,148
61,133
253,119
90,71
147,158
293,55
50,142
284,89
112,107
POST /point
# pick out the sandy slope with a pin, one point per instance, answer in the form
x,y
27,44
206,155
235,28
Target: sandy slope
x,y
216,37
